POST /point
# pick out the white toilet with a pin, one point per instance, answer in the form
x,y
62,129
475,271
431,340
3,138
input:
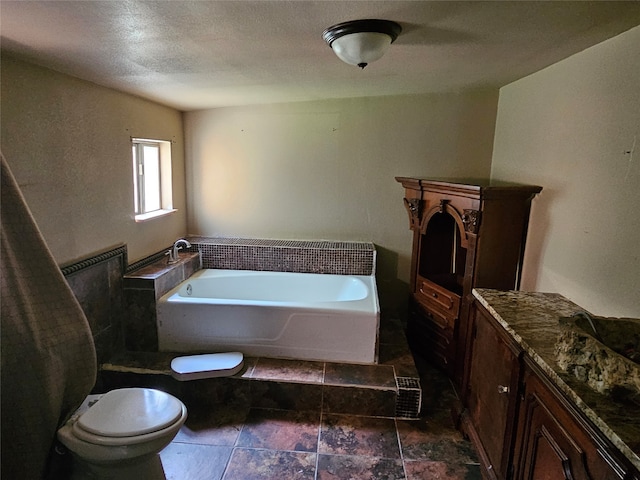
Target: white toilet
x,y
119,435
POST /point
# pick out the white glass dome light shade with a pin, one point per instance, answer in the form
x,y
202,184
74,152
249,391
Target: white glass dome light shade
x,y
361,48
359,42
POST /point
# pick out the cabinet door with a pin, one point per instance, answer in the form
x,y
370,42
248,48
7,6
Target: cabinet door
x,y
554,444
492,392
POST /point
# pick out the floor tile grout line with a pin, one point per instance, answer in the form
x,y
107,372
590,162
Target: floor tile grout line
x,y
265,449
255,367
339,414
349,455
323,413
404,468
315,474
226,467
318,453
324,371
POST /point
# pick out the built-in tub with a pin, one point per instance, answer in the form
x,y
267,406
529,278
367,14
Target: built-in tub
x,y
306,316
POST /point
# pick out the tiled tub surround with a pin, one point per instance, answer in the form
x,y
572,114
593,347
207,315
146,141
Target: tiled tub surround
x,y
532,320
142,288
147,280
339,258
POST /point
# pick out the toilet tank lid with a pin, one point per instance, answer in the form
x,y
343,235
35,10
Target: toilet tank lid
x,y
208,365
128,412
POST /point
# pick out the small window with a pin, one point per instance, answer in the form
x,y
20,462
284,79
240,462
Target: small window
x,y
152,188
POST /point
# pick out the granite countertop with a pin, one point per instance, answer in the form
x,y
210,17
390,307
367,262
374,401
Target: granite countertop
x,y
531,318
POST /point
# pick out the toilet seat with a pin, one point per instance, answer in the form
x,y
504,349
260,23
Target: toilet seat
x,y
129,416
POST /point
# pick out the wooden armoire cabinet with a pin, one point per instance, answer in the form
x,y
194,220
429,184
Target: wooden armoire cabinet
x,y
466,234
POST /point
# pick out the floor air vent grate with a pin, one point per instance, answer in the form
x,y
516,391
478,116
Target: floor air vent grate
x,y
409,398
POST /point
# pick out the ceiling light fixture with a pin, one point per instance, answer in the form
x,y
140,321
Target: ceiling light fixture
x,y
360,42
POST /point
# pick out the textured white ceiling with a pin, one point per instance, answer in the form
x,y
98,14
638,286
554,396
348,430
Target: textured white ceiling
x,y
203,54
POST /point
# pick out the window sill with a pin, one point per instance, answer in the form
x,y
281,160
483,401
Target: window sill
x,y
155,214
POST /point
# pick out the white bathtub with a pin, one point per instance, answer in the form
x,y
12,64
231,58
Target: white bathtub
x,y
305,316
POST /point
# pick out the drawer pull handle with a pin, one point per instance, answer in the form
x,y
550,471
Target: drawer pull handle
x,y
443,300
433,294
503,389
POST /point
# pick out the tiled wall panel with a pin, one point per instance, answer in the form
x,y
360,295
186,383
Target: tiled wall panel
x,y
97,284
339,258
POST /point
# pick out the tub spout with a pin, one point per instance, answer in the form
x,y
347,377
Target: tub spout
x,y
173,252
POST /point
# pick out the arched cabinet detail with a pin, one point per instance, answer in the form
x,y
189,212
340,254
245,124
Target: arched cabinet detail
x,y
466,234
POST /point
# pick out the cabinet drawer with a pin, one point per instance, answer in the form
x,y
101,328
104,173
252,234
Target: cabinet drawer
x,y
445,325
431,335
440,298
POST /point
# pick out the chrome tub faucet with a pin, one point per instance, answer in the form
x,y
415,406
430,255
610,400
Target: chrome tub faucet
x,y
173,252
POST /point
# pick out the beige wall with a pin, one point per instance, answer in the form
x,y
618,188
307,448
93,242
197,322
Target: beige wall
x,y
68,145
574,128
325,170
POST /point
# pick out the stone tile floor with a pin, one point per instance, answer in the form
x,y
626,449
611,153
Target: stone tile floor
x,y
248,443
291,419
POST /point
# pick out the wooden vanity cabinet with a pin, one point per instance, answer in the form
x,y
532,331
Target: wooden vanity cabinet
x,y
491,395
555,441
466,234
522,425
